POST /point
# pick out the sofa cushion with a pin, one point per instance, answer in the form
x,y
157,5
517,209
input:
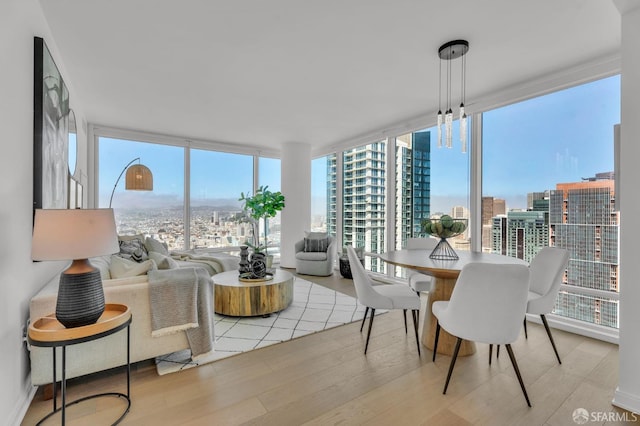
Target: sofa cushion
x,y
163,261
151,244
121,267
132,247
316,244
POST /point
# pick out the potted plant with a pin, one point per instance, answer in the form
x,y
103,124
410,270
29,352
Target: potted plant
x,y
264,204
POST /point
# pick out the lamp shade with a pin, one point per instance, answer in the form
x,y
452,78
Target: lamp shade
x,y
73,234
139,178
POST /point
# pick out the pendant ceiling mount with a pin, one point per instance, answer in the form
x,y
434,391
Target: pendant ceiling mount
x,y
448,52
453,49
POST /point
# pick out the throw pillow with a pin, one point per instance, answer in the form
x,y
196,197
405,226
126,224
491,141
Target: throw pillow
x,y
122,268
315,235
151,244
316,245
102,264
163,262
132,247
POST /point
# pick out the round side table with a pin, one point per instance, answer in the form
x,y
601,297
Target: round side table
x,y
49,332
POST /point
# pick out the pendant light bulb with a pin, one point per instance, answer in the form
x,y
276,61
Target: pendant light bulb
x,y
439,129
463,133
448,127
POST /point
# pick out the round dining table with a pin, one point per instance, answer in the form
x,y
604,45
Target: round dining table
x,y
445,273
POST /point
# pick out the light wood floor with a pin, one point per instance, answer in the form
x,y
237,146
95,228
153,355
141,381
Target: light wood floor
x,y
324,379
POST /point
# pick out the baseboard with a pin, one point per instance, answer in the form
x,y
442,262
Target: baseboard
x,y
20,409
626,401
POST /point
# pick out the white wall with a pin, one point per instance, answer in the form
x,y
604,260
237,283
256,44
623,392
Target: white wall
x,y
627,394
20,278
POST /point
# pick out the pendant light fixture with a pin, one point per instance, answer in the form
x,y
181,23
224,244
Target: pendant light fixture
x,y
450,51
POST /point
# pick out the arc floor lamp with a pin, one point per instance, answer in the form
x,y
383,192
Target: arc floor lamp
x,y
138,178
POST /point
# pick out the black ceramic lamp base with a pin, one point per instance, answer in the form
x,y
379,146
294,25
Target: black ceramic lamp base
x,y
80,299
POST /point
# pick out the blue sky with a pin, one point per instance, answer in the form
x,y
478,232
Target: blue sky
x,y
528,147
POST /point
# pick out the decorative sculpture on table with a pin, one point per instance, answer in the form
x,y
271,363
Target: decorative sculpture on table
x,y
258,265
443,228
244,266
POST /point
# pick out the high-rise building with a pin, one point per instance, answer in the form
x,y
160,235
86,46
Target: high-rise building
x,y
583,220
421,180
403,180
491,207
363,221
364,193
533,199
520,234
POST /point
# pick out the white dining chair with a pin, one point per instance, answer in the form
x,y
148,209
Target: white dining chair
x,y
546,272
418,281
486,306
386,296
547,269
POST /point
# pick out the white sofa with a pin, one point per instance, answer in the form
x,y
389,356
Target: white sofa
x,y
110,352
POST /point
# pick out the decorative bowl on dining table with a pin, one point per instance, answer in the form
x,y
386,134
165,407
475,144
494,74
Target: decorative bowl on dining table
x,y
443,228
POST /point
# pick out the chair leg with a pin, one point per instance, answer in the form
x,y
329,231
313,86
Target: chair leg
x,y
435,342
497,351
490,352
515,367
453,363
546,327
366,311
404,311
525,328
373,314
414,315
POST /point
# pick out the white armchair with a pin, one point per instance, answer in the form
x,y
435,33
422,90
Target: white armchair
x,y
315,255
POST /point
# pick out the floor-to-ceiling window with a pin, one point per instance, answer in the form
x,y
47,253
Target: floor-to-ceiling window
x,y
269,172
158,213
323,194
548,180
430,181
216,180
364,200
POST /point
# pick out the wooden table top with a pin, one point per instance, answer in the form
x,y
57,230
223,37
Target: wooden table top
x,y
419,260
49,329
231,279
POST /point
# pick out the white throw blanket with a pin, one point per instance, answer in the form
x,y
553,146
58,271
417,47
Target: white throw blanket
x,y
181,300
218,262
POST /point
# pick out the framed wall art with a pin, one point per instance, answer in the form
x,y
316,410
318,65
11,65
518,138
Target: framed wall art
x,y
50,132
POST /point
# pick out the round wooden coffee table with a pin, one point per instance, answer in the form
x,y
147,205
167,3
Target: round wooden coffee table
x,y
251,298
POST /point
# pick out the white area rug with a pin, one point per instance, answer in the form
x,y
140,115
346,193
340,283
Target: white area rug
x,y
314,308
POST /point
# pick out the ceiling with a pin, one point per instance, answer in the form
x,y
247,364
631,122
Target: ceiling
x,y
260,73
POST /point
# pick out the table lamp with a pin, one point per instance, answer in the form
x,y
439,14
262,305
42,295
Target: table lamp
x,y
76,235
